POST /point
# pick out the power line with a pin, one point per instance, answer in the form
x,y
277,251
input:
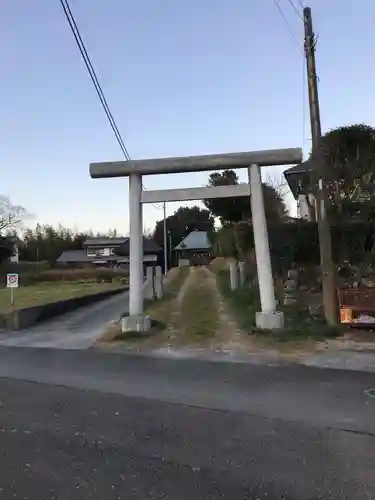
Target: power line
x,y
81,46
295,8
86,58
281,12
301,49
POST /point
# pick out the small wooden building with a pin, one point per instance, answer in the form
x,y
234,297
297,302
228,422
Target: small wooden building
x,y
194,250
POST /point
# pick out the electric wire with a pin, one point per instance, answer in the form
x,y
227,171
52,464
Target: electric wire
x,y
81,46
295,9
86,58
301,49
289,28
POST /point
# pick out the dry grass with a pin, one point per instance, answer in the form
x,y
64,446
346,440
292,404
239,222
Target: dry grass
x,y
218,264
199,314
160,311
44,293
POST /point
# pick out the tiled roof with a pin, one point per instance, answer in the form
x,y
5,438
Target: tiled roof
x,y
74,256
196,240
105,241
294,175
149,247
80,256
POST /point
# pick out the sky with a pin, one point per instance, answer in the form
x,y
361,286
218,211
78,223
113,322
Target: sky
x,y
181,78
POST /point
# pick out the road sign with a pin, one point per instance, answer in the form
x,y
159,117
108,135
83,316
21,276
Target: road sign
x,y
12,280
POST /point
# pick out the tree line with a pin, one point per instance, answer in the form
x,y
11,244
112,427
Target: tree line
x,y
46,243
226,211
348,152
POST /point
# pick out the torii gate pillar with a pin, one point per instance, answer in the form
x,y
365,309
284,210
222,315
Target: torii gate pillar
x,y
268,318
136,245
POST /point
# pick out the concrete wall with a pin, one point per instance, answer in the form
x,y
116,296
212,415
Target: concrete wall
x,y
23,318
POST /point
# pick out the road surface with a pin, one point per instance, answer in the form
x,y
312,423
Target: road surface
x,y
76,330
88,425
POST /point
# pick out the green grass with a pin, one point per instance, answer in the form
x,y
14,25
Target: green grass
x,y
243,302
161,310
44,293
199,313
299,325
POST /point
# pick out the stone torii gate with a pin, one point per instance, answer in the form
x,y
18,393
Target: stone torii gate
x,y
268,318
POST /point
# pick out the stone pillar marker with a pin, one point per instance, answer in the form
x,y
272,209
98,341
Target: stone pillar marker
x,y
150,292
159,283
241,270
291,288
233,275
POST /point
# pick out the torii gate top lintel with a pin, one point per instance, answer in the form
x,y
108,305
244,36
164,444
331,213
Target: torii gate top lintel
x,y
253,160
271,157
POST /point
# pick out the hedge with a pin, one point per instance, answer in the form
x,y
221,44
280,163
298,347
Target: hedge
x,y
298,242
56,275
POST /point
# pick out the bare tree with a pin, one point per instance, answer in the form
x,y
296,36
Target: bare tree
x,y
278,183
11,216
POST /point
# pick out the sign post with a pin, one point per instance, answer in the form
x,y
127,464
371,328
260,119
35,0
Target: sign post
x,y
12,283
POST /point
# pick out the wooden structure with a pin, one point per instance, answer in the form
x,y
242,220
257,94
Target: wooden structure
x,y
354,302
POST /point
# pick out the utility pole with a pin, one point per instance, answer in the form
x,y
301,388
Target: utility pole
x,y
165,239
324,227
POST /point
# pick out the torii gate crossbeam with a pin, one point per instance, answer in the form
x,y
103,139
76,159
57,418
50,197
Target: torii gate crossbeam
x,y
135,169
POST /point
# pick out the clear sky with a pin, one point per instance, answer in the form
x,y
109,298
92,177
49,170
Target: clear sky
x,y
181,78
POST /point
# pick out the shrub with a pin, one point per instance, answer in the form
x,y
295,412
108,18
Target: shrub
x,y
298,242
87,275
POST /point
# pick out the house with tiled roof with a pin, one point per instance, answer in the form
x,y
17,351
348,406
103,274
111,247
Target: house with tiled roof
x,y
109,252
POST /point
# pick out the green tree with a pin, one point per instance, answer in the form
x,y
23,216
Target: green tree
x,y
349,155
6,248
182,222
229,210
46,243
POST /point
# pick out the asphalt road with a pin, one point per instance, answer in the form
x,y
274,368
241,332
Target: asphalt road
x,y
129,427
76,330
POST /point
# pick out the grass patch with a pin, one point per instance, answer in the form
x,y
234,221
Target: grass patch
x,y
243,302
199,309
161,310
175,283
299,325
45,293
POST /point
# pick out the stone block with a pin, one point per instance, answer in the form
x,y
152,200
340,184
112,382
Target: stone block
x,y
242,274
273,320
290,285
234,275
293,274
139,323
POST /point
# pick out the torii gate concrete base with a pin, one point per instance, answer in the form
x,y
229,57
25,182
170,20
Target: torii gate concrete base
x,y
269,317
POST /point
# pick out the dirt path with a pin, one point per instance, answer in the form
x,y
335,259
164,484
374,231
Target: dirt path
x,y
228,337
172,329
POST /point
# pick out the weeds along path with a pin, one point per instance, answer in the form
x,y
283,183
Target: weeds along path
x,y
199,312
228,336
